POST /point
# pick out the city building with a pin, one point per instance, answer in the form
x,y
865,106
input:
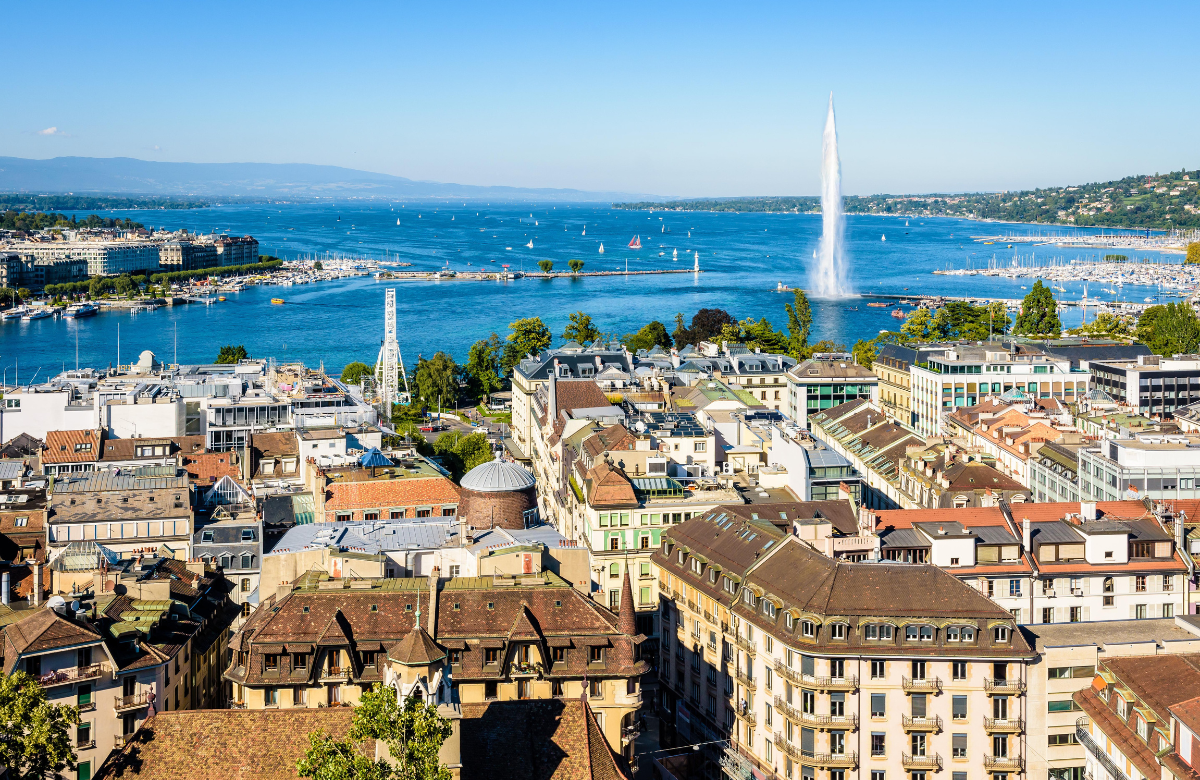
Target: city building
x,y
29,271
1054,472
123,512
893,366
826,380
236,250
182,255
807,466
22,524
103,258
874,444
1011,429
377,487
1162,384
498,494
1139,717
1152,465
812,667
965,373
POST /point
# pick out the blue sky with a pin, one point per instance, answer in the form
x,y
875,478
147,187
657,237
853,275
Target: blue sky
x,y
687,99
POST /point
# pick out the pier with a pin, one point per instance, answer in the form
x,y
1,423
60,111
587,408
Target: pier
x,y
436,276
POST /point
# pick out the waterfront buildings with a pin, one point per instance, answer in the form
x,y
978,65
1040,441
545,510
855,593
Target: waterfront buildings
x,y
809,665
103,258
187,256
824,381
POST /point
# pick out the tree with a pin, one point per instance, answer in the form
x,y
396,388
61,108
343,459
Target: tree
x,y
580,329
652,334
799,324
1106,325
483,366
231,354
353,373
1193,254
546,265
124,285
707,324
529,336
436,380
24,294
318,266
681,335
916,325
35,741
1039,313
462,452
866,351
412,731
575,265
1170,330
825,345
760,335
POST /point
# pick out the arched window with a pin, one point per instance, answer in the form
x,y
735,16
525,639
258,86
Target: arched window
x,y
245,584
1108,584
614,571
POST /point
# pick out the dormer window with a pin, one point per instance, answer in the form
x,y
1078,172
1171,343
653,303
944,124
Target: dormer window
x,y
206,537
712,575
960,634
748,597
808,629
1000,634
729,585
789,621
768,609
881,632
837,631
682,556
697,566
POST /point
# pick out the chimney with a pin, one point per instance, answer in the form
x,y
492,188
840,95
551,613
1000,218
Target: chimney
x,y
4,588
626,619
37,582
196,566
1026,535
552,402
433,604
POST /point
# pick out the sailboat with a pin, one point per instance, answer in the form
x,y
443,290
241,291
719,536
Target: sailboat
x,y
397,220
675,255
636,243
883,238
601,248
530,244
689,234
664,229
584,233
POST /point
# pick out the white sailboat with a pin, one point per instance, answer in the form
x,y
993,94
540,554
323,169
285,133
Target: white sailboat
x,y
397,220
584,233
883,238
530,244
675,255
601,248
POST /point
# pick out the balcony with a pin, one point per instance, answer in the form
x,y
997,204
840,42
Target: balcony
x,y
837,683
745,679
745,644
933,762
131,702
524,669
835,760
91,743
335,673
926,685
823,722
120,739
789,749
746,714
630,733
1006,687
1085,738
791,674
1004,725
72,674
931,724
1003,763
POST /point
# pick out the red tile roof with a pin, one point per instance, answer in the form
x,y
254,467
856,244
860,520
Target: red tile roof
x,y
71,447
968,516
371,494
207,468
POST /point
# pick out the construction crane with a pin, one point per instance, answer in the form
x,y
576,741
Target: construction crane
x,y
389,368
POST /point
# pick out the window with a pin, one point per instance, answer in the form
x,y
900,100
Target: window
x,y
837,631
596,689
595,655
1014,588
878,748
808,628
958,707
299,661
1062,705
556,688
958,745
1000,634
271,662
959,670
489,690
879,705
206,537
1056,740
878,670
247,534
491,655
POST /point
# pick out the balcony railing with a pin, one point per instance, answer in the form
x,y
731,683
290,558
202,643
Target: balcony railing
x,y
848,683
825,722
630,733
1004,686
745,644
1010,725
911,723
525,668
788,748
745,713
336,673
933,762
1083,735
1003,763
849,759
131,702
791,674
88,745
925,685
72,674
745,679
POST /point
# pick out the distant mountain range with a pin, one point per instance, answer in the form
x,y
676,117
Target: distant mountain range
x,y
129,176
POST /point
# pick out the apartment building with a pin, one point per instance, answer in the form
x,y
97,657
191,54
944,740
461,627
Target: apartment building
x,y
812,667
826,380
1051,563
945,475
965,373
103,258
1068,656
1054,472
874,444
1153,465
456,642
1012,432
148,508
182,255
376,486
236,250
1140,717
893,366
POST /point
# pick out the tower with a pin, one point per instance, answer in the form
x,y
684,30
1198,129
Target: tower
x,y
389,368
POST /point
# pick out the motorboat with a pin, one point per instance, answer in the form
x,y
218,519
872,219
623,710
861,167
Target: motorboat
x,y
81,310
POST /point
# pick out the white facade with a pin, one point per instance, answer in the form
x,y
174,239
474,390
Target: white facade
x,y
104,258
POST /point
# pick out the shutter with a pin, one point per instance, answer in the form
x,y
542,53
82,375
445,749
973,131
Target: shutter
x,y
960,743
1132,614
1061,615
1087,614
1009,552
1153,610
1153,584
1162,549
1087,586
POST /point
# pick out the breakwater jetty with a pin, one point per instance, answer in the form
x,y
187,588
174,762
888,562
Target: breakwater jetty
x,y
492,276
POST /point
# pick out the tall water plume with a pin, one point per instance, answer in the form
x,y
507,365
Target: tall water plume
x,y
829,276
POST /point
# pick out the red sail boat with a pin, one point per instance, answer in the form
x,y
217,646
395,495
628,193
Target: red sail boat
x,y
636,243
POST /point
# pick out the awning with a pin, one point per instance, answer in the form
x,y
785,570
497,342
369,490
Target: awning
x,y
558,641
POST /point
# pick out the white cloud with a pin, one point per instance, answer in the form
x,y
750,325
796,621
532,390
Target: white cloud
x,y
52,131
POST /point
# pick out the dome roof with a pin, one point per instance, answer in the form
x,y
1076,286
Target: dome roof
x,y
497,476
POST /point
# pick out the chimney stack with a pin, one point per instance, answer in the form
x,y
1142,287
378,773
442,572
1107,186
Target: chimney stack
x,y
37,582
433,602
4,588
1026,535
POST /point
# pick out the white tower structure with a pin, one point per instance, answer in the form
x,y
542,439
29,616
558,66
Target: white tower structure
x,y
389,368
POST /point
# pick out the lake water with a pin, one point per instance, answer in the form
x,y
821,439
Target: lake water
x,y
743,258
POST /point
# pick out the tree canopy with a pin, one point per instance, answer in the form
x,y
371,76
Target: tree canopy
x,y
580,329
412,731
652,334
1039,313
353,373
1193,254
575,265
865,351
529,336
1106,325
957,320
1170,330
483,366
35,740
546,265
231,354
799,325
436,380
462,452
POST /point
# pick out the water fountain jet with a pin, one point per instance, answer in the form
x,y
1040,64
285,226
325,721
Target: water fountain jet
x,y
829,275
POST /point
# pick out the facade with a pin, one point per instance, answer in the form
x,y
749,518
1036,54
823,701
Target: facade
x,y
1139,717
1054,472
35,273
187,256
945,475
22,525
824,381
812,667
231,539
103,258
236,250
964,374
410,487
459,642
1157,466
124,513
874,444
1150,386
893,366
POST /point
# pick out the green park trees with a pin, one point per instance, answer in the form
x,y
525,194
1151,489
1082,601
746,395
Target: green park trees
x,y
1170,330
35,736
652,334
1039,313
575,265
231,354
546,265
799,324
437,380
483,366
529,336
580,329
354,372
